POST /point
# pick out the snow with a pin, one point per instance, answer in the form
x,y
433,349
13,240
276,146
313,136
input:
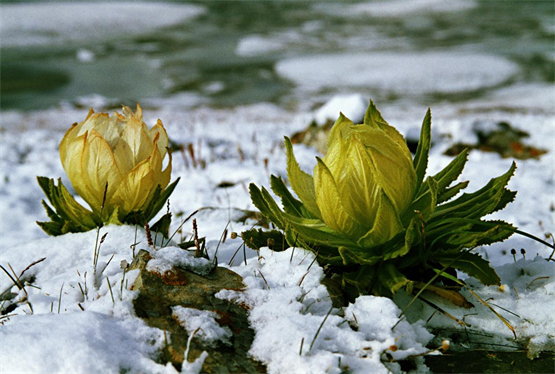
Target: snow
x,y
289,304
407,73
253,45
164,259
202,323
352,106
399,8
74,325
58,23
287,300
79,342
526,299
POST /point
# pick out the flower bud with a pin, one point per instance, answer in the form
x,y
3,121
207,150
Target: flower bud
x,y
366,181
118,151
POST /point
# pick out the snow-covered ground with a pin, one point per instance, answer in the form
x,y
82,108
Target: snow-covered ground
x,y
70,331
196,66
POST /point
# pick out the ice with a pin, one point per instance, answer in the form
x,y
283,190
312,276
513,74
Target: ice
x,y
56,23
85,55
399,8
402,73
257,44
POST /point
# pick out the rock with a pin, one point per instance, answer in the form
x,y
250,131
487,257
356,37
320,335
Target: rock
x,y
159,293
499,137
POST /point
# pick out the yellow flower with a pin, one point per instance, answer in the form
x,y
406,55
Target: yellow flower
x,y
365,182
118,151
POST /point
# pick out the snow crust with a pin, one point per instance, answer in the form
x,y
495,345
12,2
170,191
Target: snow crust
x,y
202,323
288,304
57,23
166,258
408,73
399,8
72,323
254,45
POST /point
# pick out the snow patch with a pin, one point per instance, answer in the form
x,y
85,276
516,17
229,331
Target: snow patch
x,y
406,73
202,323
288,305
401,8
57,23
165,259
352,106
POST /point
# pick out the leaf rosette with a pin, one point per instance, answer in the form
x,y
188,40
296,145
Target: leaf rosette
x,y
116,164
371,215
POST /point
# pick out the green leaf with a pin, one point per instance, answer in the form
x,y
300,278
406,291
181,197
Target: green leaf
x,y
360,280
482,202
316,231
391,278
301,182
501,230
326,254
412,237
67,215
163,225
459,233
263,206
471,263
290,204
355,256
450,173
426,203
257,238
158,201
420,161
274,209
507,197
52,214
451,192
51,228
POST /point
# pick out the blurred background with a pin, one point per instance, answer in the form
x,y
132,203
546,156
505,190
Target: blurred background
x,y
230,78
294,54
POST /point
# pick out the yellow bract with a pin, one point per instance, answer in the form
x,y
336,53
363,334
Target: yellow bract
x,y
364,184
119,151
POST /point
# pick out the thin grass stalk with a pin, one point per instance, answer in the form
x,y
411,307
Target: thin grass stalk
x,y
320,329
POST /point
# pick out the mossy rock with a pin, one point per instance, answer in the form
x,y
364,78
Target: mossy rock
x,y
158,293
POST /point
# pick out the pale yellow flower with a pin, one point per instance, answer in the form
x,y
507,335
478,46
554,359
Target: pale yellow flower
x,y
118,151
365,182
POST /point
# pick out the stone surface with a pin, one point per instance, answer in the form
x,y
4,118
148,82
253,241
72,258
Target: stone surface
x,y
158,293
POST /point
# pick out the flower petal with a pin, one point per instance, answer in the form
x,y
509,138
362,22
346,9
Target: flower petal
x,y
386,225
301,182
98,167
135,189
394,171
163,140
134,146
357,185
331,206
